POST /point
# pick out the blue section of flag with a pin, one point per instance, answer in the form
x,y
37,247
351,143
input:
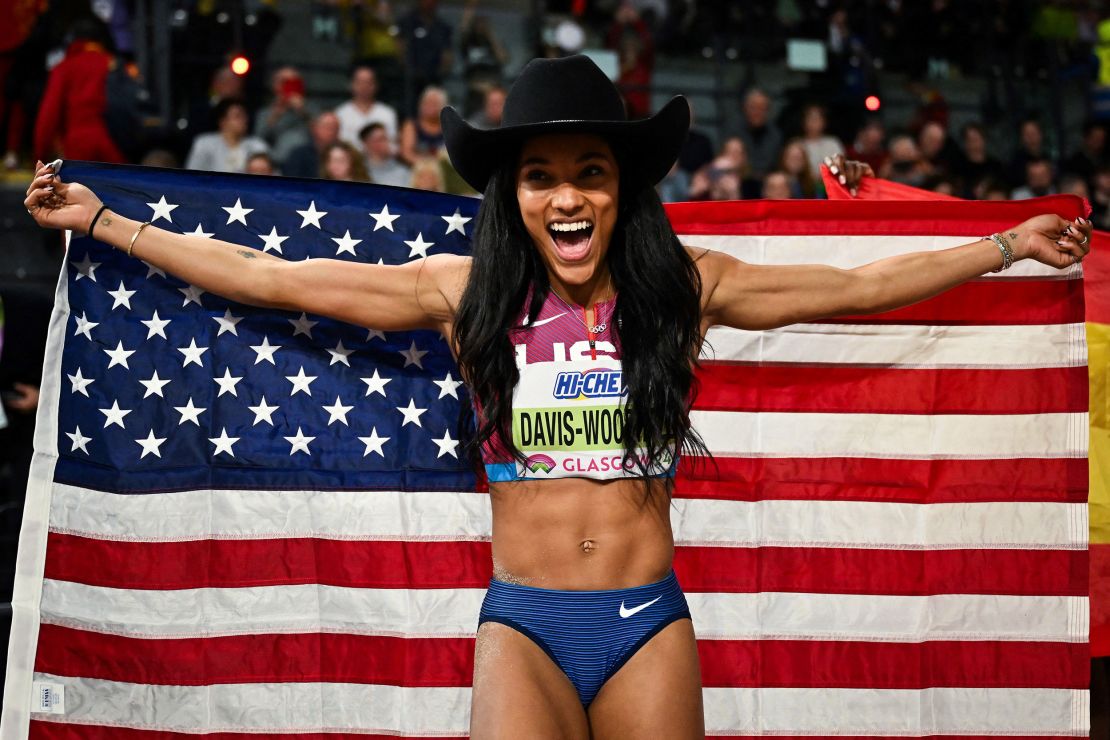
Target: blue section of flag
x,y
329,437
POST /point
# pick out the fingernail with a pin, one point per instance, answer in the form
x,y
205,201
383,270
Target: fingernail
x,y
854,192
843,180
49,187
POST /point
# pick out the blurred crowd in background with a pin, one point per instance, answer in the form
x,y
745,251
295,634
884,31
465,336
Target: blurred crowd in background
x,y
66,65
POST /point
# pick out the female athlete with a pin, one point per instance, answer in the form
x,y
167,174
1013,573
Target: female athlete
x,y
576,322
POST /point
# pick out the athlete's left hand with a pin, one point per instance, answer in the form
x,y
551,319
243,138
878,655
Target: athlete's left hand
x,y
849,171
1051,240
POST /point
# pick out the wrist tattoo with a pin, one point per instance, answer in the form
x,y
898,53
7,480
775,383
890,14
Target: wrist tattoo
x,y
1013,235
248,254
106,221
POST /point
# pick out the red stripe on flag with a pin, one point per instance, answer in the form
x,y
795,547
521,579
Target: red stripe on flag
x,y
257,658
769,218
875,479
871,737
447,661
41,730
875,571
839,389
892,665
372,564
267,562
990,302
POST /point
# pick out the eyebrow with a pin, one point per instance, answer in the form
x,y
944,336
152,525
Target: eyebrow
x,y
586,156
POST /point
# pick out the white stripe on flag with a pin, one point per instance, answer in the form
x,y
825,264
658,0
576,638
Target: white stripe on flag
x,y
902,436
869,524
454,613
365,708
904,345
808,616
372,515
850,250
934,711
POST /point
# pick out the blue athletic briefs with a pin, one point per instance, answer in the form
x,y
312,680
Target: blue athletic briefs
x,y
589,634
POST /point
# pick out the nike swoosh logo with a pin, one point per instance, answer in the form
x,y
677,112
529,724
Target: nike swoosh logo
x,y
626,613
548,320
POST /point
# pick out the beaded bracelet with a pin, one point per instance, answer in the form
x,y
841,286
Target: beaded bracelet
x,y
1007,253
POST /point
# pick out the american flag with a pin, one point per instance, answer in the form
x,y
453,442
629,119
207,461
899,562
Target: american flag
x,y
245,522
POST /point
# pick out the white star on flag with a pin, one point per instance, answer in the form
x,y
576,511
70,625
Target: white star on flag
x,y
192,295
418,247
237,213
448,386
346,243
198,231
151,270
337,412
265,351
412,414
227,322
446,445
84,326
227,383
223,443
85,268
372,334
303,325
155,325
162,209
300,382
312,216
383,219
373,442
340,354
299,442
189,412
79,441
192,353
114,415
154,385
262,412
456,222
121,296
376,384
151,445
272,241
119,355
80,383
413,355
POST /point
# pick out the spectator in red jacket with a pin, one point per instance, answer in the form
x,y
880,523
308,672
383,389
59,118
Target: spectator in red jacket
x,y
71,118
630,37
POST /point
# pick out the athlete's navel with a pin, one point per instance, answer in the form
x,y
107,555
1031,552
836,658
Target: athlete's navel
x,y
588,546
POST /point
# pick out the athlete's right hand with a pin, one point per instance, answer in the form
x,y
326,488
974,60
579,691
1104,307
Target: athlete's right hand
x,y
66,205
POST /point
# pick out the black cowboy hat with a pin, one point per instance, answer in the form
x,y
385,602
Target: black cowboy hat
x,y
570,94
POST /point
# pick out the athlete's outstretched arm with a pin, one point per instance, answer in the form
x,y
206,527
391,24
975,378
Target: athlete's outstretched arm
x,y
746,296
417,295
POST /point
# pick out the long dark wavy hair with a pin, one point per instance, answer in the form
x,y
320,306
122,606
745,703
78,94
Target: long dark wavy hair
x,y
657,316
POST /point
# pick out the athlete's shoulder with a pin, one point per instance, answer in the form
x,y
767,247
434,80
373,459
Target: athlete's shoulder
x,y
448,273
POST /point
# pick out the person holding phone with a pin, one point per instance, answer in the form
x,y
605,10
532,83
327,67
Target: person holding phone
x,y
283,124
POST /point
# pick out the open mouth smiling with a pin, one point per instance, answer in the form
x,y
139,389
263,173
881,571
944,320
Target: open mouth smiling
x,y
572,239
